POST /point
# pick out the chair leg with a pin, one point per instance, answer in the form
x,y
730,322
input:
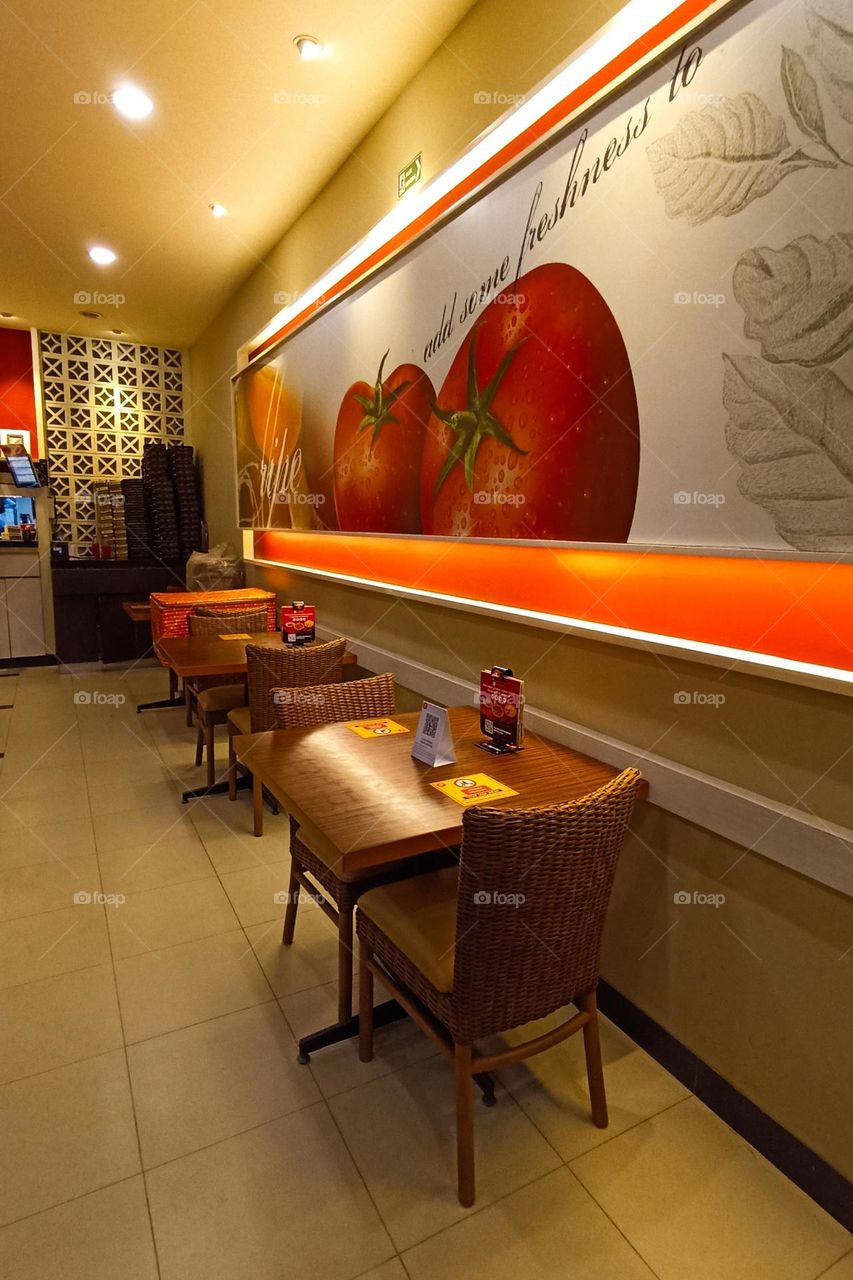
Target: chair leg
x,y
258,804
594,1071
293,891
365,1003
199,746
345,956
232,768
211,759
464,1125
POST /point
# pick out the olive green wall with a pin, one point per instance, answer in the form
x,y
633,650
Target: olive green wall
x,y
760,986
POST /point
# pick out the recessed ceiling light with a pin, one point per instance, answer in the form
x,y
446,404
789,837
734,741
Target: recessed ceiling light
x,y
91,315
218,210
118,332
132,102
310,48
102,255
7,315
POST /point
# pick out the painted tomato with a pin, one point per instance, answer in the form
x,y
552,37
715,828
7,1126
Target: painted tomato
x,y
535,433
379,440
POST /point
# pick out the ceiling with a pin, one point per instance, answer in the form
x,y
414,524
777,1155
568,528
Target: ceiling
x,y
239,119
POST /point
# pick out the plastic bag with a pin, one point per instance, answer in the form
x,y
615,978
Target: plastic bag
x,y
219,569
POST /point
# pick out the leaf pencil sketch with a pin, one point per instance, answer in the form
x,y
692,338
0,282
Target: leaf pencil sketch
x,y
717,160
791,430
830,24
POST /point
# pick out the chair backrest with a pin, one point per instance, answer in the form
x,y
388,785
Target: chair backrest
x,y
325,703
534,885
216,622
271,667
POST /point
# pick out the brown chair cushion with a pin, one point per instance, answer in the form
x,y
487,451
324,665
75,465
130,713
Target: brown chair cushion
x,y
240,721
419,917
222,698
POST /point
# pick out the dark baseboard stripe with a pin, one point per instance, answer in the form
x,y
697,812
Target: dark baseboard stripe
x,y
807,1170
40,660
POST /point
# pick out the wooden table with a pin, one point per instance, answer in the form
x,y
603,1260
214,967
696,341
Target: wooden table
x,y
137,610
189,657
374,804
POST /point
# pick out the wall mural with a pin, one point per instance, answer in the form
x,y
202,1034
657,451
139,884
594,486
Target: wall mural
x,y
642,335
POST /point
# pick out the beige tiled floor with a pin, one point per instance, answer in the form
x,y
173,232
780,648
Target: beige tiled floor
x,y
155,1122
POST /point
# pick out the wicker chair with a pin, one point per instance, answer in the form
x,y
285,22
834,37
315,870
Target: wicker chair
x,y
309,855
509,937
268,668
212,697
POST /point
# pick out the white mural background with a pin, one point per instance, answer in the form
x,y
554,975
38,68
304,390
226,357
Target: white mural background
x,y
711,204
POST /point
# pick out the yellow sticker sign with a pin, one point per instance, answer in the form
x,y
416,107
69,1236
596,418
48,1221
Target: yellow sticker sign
x,y
380,728
235,635
477,788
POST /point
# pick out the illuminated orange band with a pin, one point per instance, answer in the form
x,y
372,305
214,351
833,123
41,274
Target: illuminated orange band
x,y
626,61
794,611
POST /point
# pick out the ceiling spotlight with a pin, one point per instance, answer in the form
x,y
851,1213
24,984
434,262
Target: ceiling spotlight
x,y
218,210
310,48
132,102
102,255
7,315
117,332
91,315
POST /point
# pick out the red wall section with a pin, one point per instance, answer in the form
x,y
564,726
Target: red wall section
x,y
17,393
794,609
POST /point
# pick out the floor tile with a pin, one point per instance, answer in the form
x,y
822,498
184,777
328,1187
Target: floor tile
x,y
164,917
695,1200
100,1236
310,960
338,1067
550,1230
197,1086
281,1202
401,1131
132,827
552,1087
19,814
66,1132
147,866
842,1270
187,984
134,793
258,894
391,1270
46,841
46,886
231,851
58,1020
55,942
41,782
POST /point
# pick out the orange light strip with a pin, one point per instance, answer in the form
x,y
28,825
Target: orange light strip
x,y
785,613
628,60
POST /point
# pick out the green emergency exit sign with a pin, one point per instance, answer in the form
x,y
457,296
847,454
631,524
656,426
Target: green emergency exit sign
x,y
409,176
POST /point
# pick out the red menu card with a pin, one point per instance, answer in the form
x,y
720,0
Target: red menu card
x,y
501,709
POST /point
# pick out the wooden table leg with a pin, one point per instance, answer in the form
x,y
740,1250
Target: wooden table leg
x,y
258,804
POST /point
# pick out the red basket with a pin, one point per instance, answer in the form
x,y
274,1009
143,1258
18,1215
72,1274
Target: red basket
x,y
170,609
